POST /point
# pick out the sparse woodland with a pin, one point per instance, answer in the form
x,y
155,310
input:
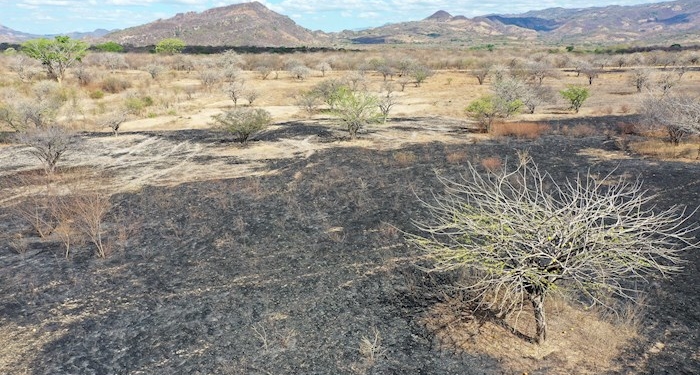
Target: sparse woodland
x,y
241,213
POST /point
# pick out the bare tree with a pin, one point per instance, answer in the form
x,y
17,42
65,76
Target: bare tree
x,y
210,78
678,114
639,78
522,235
386,103
89,210
113,121
482,71
235,91
323,67
154,70
49,144
300,72
264,71
537,71
420,73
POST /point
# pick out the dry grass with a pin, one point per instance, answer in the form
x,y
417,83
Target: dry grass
x,y
579,341
404,158
529,130
492,164
579,131
457,157
664,150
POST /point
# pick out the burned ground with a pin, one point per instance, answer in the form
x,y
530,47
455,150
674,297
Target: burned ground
x,y
286,272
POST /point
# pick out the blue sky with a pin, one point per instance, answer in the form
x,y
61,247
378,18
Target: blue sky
x,y
61,16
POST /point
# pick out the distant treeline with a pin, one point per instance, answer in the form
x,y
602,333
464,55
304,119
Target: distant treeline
x,y
206,50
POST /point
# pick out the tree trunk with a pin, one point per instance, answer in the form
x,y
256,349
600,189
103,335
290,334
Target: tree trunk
x,y
538,306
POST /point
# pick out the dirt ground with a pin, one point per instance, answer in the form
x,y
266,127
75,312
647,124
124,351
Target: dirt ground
x,y
286,257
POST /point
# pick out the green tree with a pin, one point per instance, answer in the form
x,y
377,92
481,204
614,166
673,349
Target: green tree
x,y
170,46
522,235
356,109
109,47
243,122
56,55
576,95
484,110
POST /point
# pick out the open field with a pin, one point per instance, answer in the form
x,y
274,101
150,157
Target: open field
x,y
286,255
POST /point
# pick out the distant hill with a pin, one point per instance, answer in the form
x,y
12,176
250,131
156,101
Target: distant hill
x,y
663,23
440,27
252,24
246,24
668,22
8,35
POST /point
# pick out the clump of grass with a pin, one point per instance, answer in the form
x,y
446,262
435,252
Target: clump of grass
x,y
492,164
529,130
457,157
405,158
579,131
660,149
114,85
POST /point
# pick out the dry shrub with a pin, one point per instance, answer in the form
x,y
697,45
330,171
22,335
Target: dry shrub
x,y
88,209
457,157
114,85
660,149
625,109
528,130
388,232
38,206
579,131
626,128
492,164
580,341
405,158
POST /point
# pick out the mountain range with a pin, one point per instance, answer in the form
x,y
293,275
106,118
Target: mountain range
x,y
252,24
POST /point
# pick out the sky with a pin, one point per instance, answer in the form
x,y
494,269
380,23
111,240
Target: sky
x,y
43,17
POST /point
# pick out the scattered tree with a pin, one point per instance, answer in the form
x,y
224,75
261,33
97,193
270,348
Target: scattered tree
x,y
49,144
170,46
109,47
678,114
235,91
484,110
639,78
522,235
356,109
56,55
576,95
243,122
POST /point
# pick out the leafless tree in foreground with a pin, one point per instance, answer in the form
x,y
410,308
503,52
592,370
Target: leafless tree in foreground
x,y
678,114
49,144
522,235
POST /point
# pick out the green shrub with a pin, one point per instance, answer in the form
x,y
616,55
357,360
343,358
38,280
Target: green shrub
x,y
97,94
243,122
576,95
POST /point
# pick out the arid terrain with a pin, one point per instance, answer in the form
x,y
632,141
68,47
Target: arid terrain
x,y
287,255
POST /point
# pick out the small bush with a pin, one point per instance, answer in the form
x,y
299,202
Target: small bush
x,y
97,94
579,131
457,157
243,122
528,130
114,85
626,128
405,158
492,164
